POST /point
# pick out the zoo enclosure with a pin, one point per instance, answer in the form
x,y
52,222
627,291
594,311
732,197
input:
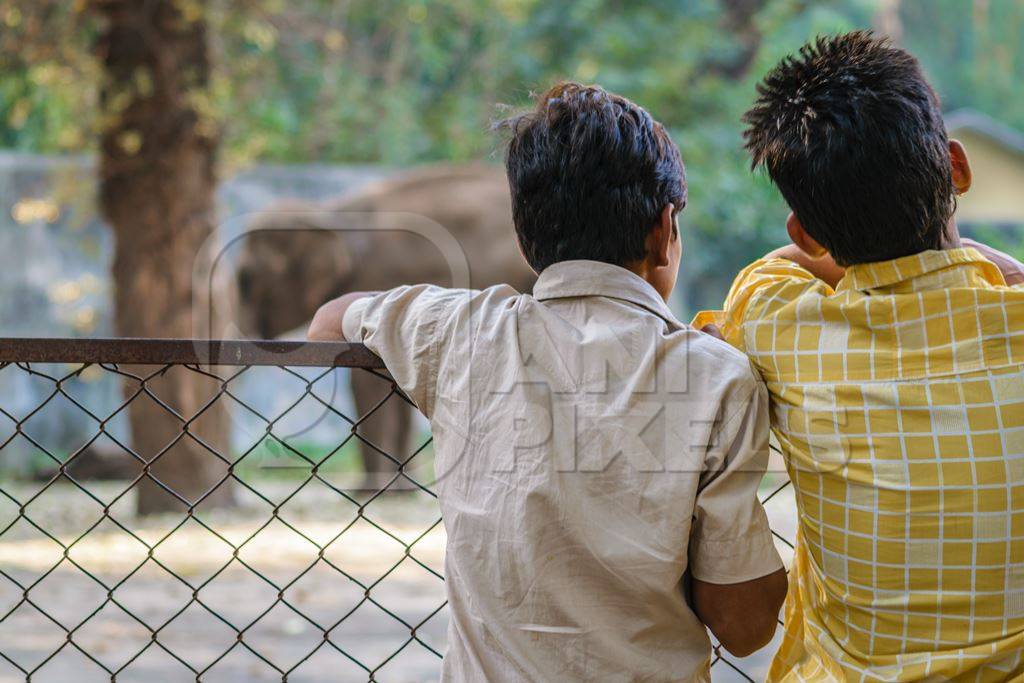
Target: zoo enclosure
x,y
250,609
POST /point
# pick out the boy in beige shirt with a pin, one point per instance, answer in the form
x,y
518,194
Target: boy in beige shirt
x,y
591,450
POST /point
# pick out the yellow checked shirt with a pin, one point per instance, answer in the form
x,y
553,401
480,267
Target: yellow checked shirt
x,y
898,400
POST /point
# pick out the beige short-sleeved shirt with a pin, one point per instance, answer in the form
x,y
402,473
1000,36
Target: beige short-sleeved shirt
x,y
590,449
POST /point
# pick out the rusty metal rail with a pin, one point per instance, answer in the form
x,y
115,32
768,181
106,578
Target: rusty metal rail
x,y
187,351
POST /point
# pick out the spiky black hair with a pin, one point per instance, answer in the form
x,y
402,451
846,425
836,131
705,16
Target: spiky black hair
x,y
852,134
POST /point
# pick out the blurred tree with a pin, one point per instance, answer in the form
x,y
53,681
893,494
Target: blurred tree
x,y
972,51
408,81
47,89
157,154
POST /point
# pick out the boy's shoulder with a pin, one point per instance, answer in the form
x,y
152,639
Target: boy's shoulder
x,y
708,357
705,360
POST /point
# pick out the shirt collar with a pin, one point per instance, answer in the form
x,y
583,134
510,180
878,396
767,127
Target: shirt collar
x,y
567,279
886,273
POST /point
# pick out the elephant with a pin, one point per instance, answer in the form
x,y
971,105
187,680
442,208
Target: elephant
x,y
297,255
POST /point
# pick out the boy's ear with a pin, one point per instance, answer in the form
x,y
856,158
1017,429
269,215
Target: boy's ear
x,y
662,235
961,167
801,239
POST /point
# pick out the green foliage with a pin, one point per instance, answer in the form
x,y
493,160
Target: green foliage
x,y
409,81
46,76
1004,238
972,52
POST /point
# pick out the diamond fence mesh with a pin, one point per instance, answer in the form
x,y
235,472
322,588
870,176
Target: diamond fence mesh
x,y
267,551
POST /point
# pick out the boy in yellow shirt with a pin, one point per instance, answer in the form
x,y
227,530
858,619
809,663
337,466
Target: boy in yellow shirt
x,y
893,353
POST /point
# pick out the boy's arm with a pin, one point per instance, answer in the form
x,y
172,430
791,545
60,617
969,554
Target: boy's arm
x,y
743,616
327,323
824,267
758,292
1011,268
409,327
738,580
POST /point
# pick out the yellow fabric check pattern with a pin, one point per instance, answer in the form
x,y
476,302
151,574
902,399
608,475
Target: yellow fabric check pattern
x,y
898,401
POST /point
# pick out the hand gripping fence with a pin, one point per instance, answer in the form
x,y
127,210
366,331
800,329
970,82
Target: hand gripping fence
x,y
284,564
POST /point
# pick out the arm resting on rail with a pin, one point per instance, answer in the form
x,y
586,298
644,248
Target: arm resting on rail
x,y
326,324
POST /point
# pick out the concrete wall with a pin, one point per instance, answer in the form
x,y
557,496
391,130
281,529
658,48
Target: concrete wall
x,y
55,255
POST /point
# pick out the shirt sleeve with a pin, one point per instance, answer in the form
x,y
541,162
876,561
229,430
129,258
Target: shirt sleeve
x,y
758,292
407,327
730,541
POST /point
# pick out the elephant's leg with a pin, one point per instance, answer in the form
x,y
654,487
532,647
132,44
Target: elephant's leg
x,y
400,431
387,429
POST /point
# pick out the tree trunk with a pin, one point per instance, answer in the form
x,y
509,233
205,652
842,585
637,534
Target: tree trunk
x,y
739,22
157,182
887,20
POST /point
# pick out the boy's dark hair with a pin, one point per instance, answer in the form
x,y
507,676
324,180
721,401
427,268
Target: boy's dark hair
x,y
852,135
590,173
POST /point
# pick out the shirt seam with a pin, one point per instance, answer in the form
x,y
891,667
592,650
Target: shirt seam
x,y
434,360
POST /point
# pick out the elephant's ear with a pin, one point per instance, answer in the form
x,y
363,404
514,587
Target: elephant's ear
x,y
306,243
330,249
290,262
320,261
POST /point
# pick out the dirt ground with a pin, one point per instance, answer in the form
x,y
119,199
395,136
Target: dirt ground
x,y
242,597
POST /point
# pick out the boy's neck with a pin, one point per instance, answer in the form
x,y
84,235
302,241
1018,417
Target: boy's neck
x,y
951,236
645,271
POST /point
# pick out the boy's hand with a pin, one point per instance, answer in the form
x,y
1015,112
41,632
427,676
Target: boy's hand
x,y
326,324
823,267
1011,268
712,330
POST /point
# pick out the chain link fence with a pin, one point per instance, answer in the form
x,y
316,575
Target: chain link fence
x,y
266,553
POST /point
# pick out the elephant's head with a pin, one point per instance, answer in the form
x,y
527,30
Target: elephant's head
x,y
298,255
288,265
